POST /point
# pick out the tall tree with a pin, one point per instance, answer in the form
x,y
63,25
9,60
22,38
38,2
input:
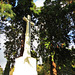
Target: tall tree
x,y
54,27
5,13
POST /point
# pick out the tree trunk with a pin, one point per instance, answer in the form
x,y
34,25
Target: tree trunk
x,y
53,70
7,1
7,68
22,43
23,39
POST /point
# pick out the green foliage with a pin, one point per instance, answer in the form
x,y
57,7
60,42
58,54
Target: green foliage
x,y
45,70
6,10
47,45
63,60
13,42
35,9
33,54
54,26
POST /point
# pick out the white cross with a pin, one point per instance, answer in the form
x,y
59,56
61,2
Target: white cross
x,y
27,37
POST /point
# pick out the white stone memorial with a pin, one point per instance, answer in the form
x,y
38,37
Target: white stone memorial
x,y
26,65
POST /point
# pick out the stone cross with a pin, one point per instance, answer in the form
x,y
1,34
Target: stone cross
x,y
27,37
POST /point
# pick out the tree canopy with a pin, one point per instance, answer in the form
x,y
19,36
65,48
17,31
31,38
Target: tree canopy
x,y
6,10
54,23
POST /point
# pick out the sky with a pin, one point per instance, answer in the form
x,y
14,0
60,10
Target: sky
x,y
2,59
39,2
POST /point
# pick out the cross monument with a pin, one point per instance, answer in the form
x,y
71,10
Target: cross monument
x,y
27,37
26,65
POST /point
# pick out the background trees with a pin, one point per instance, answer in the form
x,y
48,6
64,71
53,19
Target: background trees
x,y
54,25
15,32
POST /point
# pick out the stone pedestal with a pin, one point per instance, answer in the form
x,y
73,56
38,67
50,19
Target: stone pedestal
x,y
25,66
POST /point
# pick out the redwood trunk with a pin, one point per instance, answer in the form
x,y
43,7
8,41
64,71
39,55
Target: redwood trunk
x,y
53,70
22,44
23,39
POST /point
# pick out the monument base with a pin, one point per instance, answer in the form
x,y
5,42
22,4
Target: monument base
x,y
25,66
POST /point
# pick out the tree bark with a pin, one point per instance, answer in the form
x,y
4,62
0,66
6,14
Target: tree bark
x,y
8,1
22,43
7,68
53,70
23,39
